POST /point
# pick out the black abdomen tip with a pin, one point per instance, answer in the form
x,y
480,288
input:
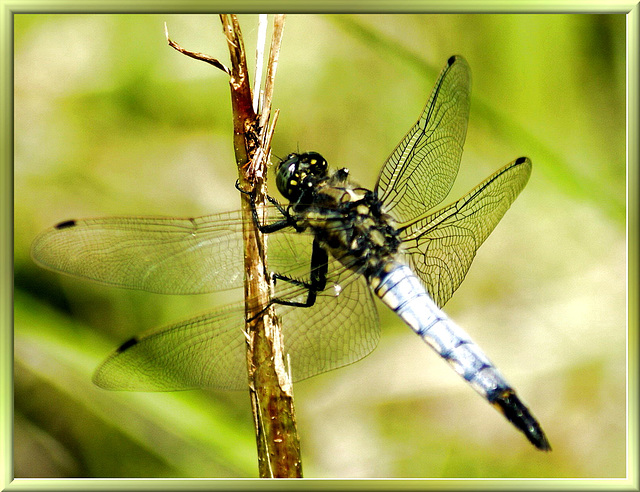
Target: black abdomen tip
x,y
66,224
518,414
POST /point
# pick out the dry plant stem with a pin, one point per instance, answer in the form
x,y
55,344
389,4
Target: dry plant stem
x,y
274,52
194,54
257,78
269,383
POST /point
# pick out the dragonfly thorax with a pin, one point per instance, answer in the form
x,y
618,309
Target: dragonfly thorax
x,y
299,172
348,221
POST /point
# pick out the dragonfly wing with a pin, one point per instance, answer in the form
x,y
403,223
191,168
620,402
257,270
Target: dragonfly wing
x,y
442,245
154,254
421,170
340,328
163,255
205,351
209,351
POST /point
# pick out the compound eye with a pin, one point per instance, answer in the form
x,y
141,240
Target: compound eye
x,y
287,175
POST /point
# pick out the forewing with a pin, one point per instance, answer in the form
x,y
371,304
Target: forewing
x,y
155,254
442,245
421,170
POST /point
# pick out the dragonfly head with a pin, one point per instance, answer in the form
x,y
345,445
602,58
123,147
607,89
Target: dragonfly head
x,y
298,171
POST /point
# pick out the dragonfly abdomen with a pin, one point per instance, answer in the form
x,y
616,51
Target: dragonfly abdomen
x,y
398,287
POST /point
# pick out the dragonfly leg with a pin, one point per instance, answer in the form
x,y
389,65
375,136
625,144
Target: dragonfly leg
x,y
317,282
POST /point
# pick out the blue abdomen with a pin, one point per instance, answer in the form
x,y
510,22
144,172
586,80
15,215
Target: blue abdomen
x,y
398,287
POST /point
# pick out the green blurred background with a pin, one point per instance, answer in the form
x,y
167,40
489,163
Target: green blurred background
x,y
110,120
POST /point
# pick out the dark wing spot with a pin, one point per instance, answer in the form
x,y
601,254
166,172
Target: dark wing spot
x,y
126,345
520,160
451,60
65,225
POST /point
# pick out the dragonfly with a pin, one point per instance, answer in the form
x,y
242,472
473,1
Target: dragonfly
x,y
332,249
